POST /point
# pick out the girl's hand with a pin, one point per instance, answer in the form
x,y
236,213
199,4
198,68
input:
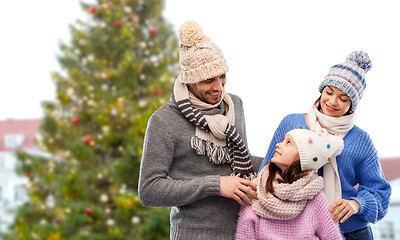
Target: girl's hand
x,y
343,209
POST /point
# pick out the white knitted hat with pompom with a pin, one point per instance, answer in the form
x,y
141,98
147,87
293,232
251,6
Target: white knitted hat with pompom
x,y
315,150
200,59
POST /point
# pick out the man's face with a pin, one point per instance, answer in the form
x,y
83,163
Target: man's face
x,y
210,90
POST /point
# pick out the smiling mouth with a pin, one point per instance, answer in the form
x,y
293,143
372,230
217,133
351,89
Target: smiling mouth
x,y
214,94
329,108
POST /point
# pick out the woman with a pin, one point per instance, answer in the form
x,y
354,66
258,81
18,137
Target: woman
x,y
354,181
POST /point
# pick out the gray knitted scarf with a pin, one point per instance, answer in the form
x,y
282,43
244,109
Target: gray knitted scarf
x,y
233,151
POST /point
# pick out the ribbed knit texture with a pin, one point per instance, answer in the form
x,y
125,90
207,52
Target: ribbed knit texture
x,y
173,175
239,157
315,150
199,57
349,76
314,222
357,164
289,199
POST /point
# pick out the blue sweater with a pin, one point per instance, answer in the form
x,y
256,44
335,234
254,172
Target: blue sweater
x,y
357,164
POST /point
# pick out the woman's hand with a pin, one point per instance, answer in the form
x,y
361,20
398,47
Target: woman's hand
x,y
343,209
237,188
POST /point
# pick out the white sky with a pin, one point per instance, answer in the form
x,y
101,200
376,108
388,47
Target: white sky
x,y
278,53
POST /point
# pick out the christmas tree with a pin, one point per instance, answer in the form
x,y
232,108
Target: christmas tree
x,y
116,71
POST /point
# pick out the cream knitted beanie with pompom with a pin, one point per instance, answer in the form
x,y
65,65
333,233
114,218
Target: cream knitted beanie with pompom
x,y
315,150
199,58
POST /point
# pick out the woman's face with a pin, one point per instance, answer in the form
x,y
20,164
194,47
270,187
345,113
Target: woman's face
x,y
334,102
286,153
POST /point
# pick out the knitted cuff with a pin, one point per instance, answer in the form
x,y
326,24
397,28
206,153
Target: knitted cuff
x,y
211,185
354,204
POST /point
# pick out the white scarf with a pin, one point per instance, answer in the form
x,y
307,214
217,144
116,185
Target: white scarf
x,y
338,126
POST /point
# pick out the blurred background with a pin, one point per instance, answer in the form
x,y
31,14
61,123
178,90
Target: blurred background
x,y
80,80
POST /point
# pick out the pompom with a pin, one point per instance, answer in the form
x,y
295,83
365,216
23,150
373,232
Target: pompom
x,y
335,143
190,33
361,58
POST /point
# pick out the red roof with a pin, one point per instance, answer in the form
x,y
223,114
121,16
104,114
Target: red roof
x,y
391,167
27,127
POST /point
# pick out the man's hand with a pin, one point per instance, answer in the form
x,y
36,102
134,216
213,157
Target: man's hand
x,y
344,208
237,188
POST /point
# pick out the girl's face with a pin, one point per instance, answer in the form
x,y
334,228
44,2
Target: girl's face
x,y
334,102
286,153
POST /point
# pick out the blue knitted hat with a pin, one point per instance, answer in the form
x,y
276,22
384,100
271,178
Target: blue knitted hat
x,y
349,76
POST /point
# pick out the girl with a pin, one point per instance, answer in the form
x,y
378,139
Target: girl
x,y
354,182
291,203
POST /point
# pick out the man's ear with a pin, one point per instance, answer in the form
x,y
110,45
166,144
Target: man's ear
x,y
189,86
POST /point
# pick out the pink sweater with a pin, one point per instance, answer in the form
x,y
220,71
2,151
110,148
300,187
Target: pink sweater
x,y
314,222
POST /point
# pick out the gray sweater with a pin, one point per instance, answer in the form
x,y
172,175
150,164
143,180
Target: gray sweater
x,y
173,175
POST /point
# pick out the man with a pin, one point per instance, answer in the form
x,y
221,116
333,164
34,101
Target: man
x,y
195,156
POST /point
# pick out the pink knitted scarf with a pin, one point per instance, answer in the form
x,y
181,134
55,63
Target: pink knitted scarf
x,y
289,199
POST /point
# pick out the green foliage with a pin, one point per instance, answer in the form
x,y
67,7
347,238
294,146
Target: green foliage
x,y
116,71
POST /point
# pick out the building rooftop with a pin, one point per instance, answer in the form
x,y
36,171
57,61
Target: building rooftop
x,y
391,167
25,130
